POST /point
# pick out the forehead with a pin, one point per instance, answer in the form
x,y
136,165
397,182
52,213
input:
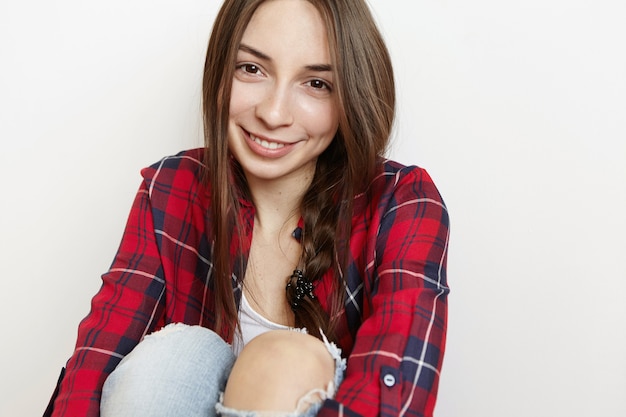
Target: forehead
x,y
294,26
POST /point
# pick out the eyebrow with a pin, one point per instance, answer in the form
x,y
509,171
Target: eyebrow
x,y
265,57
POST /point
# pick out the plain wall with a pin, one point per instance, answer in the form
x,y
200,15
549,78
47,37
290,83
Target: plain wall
x,y
516,108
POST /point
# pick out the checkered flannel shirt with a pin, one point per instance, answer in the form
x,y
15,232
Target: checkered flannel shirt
x,y
393,326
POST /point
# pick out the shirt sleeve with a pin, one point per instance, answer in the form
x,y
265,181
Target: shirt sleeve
x,y
122,312
394,367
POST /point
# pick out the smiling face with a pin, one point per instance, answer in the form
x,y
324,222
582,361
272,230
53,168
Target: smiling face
x,y
283,110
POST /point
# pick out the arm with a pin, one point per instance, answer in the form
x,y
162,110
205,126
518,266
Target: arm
x,y
394,367
121,314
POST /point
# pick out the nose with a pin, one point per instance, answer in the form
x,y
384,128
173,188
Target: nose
x,y
275,107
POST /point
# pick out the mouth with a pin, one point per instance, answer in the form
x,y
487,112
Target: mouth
x,y
265,143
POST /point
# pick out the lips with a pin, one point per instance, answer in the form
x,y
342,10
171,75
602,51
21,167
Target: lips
x,y
265,143
267,148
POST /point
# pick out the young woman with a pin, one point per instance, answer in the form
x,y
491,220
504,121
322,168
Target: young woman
x,y
287,268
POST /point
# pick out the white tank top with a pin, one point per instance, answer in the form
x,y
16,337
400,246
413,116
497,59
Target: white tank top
x,y
251,325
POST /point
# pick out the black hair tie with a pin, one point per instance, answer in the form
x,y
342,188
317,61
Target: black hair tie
x,y
303,288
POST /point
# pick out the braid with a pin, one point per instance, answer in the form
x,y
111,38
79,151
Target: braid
x,y
321,211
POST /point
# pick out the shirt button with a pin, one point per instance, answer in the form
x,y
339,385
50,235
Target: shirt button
x,y
389,380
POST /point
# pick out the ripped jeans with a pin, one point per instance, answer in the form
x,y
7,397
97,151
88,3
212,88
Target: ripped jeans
x,y
182,370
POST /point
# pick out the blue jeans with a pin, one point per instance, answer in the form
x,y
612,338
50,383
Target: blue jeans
x,y
177,371
182,370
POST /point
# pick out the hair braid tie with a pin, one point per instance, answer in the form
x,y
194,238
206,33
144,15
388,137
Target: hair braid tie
x,y
303,288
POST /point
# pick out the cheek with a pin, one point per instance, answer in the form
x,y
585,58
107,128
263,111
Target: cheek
x,y
329,125
321,118
236,100
242,98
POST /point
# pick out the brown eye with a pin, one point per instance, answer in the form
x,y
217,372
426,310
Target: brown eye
x,y
318,84
250,68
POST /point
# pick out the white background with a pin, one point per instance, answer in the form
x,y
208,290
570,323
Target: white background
x,y
517,109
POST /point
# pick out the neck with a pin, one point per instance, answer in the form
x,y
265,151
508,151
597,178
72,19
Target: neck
x,y
277,204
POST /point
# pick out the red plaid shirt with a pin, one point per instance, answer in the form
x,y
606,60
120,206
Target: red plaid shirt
x,y
393,326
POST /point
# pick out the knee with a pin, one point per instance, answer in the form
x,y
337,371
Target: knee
x,y
178,362
177,348
276,369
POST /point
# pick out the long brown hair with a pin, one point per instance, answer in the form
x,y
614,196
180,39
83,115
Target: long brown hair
x,y
365,92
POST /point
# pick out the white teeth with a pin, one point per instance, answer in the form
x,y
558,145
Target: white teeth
x,y
266,144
